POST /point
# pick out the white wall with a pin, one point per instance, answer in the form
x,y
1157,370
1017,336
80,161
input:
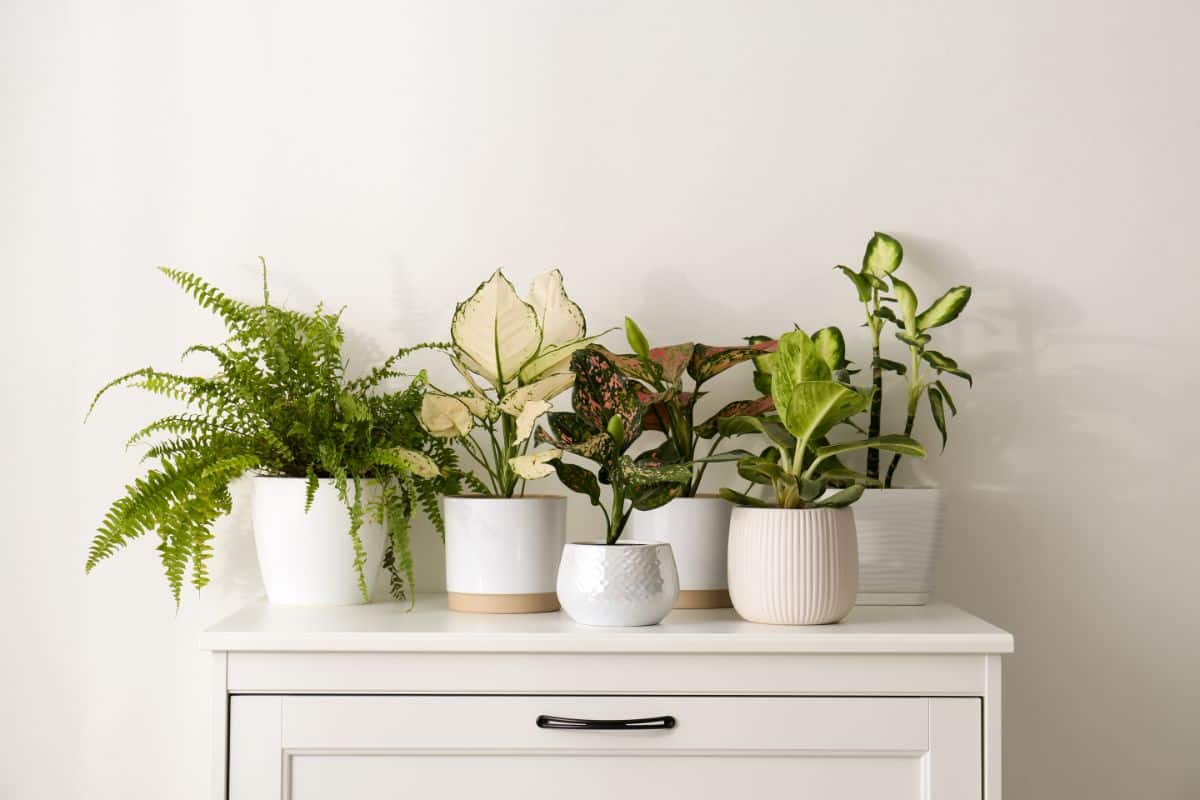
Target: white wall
x,y
698,165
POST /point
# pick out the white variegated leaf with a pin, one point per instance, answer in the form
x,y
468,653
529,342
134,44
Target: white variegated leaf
x,y
554,360
444,416
545,389
495,332
561,319
530,413
535,465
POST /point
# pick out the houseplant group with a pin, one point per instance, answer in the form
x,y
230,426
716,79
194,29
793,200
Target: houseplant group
x,y
340,464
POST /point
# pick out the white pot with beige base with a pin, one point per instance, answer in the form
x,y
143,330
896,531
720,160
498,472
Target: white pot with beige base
x,y
697,528
899,534
307,559
793,566
502,553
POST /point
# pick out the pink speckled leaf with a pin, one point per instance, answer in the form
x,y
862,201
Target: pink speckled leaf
x,y
602,392
738,408
708,361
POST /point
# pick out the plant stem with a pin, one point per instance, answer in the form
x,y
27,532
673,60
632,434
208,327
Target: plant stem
x,y
915,389
695,485
616,520
875,324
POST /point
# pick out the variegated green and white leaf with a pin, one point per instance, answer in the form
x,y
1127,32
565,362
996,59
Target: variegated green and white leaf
x,y
445,416
535,465
945,309
883,255
545,389
908,304
554,360
561,319
419,464
495,332
860,283
531,412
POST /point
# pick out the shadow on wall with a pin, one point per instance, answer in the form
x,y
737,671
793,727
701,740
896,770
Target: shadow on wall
x,y
1047,467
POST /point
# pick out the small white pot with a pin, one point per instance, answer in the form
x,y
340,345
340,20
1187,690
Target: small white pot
x,y
627,584
899,533
502,553
793,566
308,559
697,528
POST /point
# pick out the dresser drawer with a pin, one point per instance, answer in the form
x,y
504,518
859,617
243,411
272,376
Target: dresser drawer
x,y
310,747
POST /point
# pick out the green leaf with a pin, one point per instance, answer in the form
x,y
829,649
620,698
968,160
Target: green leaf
x,y
845,474
892,366
578,479
728,455
938,360
843,498
885,312
616,429
738,498
650,497
632,474
907,299
883,255
893,442
637,339
816,406
920,340
938,412
945,309
831,346
769,427
946,394
860,283
759,470
797,361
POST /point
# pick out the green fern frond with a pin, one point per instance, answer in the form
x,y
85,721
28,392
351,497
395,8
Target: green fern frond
x,y
234,312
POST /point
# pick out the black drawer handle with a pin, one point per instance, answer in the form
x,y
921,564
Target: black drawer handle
x,y
572,724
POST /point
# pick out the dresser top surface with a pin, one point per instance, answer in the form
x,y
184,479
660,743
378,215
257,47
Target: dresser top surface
x,y
430,627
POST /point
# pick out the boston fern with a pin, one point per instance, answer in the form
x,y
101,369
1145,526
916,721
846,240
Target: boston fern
x,y
280,404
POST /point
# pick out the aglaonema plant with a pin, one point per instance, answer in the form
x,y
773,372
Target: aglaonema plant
x,y
607,418
873,282
514,355
802,464
659,376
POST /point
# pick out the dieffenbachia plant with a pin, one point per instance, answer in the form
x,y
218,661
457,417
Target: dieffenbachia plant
x,y
658,376
801,463
880,261
514,355
608,417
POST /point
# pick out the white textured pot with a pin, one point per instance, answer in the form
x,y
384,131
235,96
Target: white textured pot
x,y
792,566
502,553
307,559
697,528
899,533
625,584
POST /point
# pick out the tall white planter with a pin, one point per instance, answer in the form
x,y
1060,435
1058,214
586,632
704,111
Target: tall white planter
x,y
626,584
307,559
697,528
502,554
899,534
793,566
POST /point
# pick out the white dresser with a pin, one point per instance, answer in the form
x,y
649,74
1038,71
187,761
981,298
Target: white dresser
x,y
894,703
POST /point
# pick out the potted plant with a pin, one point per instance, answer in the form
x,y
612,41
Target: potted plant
x,y
694,524
611,581
339,465
503,545
794,561
900,529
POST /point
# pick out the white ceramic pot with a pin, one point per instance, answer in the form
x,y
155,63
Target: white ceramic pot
x,y
502,553
697,528
626,584
307,559
792,566
899,533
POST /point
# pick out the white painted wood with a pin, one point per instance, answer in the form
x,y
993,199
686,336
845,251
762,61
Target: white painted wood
x,y
894,703
220,723
561,673
992,700
391,627
955,761
715,724
256,758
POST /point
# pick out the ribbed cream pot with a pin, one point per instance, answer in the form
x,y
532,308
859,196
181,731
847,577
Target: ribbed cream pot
x,y
793,566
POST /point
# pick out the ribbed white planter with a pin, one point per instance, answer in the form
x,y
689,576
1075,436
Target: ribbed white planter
x,y
502,553
308,559
627,584
899,534
697,528
793,566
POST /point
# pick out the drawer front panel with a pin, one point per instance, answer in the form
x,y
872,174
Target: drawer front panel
x,y
326,747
